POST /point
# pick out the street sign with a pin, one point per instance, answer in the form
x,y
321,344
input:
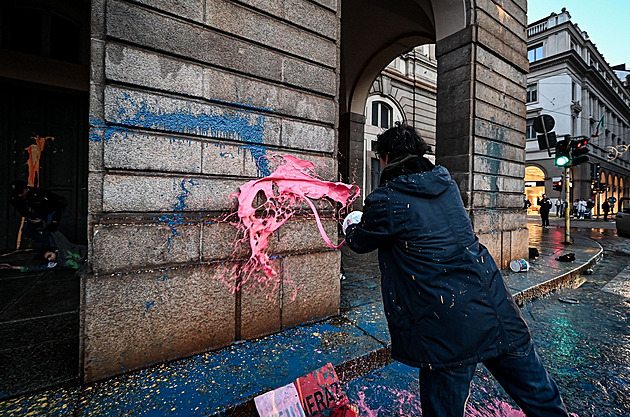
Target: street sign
x,y
544,123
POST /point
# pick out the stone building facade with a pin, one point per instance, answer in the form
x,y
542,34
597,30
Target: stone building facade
x,y
405,91
189,100
571,81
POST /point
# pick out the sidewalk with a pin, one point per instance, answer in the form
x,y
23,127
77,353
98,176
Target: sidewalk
x,y
225,382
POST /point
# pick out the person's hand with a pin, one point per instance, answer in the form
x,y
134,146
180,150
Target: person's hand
x,y
352,218
8,266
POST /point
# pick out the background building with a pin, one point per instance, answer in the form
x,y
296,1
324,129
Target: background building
x,y
572,82
404,92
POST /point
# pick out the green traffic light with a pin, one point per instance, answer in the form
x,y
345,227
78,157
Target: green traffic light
x,y
562,161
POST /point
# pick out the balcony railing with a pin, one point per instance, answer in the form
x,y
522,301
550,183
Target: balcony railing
x,y
536,29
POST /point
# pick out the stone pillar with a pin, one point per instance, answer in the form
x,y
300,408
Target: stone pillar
x,y
351,151
481,118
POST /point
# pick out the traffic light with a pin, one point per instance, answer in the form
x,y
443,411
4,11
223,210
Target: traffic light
x,y
563,156
557,185
579,149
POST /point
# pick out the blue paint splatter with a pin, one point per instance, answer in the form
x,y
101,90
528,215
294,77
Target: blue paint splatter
x,y
108,131
173,220
243,126
147,307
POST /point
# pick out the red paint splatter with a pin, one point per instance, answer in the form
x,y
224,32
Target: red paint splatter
x,y
267,203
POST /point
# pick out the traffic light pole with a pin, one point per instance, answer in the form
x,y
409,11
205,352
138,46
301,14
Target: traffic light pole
x,y
567,209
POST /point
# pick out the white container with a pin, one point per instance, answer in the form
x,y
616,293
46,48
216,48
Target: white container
x,y
520,265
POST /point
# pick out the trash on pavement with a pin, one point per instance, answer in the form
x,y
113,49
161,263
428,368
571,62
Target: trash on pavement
x,y
317,394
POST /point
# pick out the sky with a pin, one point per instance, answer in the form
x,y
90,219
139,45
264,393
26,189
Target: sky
x,y
605,21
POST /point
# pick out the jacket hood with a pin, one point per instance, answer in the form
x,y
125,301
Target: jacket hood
x,y
429,183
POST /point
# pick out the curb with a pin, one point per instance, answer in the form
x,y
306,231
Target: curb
x,y
563,280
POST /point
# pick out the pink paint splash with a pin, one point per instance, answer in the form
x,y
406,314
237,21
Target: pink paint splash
x,y
294,181
407,403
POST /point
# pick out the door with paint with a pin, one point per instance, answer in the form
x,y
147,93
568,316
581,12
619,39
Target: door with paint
x,y
43,141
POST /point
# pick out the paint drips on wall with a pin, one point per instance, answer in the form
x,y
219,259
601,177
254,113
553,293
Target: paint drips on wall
x,y
266,204
173,220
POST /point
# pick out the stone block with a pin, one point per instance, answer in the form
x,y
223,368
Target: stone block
x,y
309,15
232,88
509,13
499,149
457,60
496,20
97,22
146,69
502,117
138,151
499,98
261,311
519,243
514,52
514,87
304,136
492,241
136,25
309,76
262,29
313,17
189,9
493,166
222,241
302,235
488,62
95,192
144,110
495,131
497,183
129,247
310,287
136,193
138,320
506,249
486,221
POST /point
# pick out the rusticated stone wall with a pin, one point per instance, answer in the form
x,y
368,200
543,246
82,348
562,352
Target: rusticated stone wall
x,y
189,100
481,120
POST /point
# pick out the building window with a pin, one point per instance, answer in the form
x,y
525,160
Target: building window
x,y
532,93
530,132
535,53
381,114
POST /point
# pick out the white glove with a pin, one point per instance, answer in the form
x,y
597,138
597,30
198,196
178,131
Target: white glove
x,y
352,218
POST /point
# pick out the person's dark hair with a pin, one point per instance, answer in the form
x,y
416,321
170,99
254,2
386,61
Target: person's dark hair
x,y
16,187
401,139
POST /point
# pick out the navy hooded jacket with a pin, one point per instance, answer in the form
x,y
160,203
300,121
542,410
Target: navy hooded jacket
x,y
445,300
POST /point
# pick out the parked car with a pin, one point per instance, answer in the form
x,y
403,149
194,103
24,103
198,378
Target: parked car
x,y
623,217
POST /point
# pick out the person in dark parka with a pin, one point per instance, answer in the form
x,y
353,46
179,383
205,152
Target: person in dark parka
x,y
445,301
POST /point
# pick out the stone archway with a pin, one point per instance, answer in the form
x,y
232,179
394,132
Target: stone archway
x,y
482,68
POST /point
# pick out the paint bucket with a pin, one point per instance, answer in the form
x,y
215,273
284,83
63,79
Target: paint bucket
x,y
519,265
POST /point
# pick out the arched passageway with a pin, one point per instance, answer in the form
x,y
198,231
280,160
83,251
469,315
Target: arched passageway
x,y
482,69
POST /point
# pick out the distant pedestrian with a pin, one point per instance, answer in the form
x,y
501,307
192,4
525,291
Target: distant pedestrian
x,y
446,304
589,209
526,203
545,207
558,207
606,209
581,208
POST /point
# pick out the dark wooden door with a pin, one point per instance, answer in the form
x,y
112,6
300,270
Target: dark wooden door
x,y
28,111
